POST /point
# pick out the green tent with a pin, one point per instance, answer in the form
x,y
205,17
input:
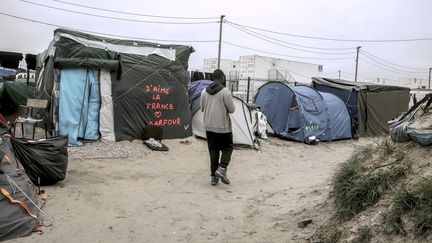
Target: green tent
x,y
114,87
371,105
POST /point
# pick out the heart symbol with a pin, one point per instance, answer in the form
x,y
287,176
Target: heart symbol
x,y
158,114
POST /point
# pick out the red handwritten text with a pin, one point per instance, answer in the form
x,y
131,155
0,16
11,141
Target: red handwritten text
x,y
163,122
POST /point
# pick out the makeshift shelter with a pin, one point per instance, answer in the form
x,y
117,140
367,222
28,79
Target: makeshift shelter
x,y
18,211
300,112
114,88
240,119
370,105
414,125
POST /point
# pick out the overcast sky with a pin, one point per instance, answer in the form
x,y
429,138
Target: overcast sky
x,y
334,19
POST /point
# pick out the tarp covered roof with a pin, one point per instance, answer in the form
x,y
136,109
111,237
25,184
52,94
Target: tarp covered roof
x,y
349,85
73,48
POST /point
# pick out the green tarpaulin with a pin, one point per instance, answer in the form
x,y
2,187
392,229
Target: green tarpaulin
x,y
12,95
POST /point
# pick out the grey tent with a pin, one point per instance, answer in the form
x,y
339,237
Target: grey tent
x,y
241,119
371,105
18,213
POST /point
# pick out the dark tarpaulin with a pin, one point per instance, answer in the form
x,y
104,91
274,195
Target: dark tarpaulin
x,y
31,61
10,59
12,95
44,159
90,63
45,86
196,75
151,93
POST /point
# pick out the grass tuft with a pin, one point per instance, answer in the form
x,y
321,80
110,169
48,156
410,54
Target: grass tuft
x,y
416,204
357,186
363,234
333,235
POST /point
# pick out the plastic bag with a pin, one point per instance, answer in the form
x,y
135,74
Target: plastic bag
x,y
45,159
262,125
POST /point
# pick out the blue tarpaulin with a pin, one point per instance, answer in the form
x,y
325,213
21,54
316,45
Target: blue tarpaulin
x,y
79,105
196,87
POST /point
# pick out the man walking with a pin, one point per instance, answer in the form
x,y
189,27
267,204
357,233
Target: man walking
x,y
217,103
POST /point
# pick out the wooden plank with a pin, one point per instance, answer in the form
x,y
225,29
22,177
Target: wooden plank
x,y
37,103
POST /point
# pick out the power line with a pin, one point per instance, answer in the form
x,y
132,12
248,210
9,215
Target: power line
x,y
279,44
333,39
336,72
373,65
101,33
387,66
130,13
117,18
278,54
392,63
289,43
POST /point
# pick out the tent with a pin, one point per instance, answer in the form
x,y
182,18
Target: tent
x,y
240,119
111,88
300,112
370,105
414,125
18,215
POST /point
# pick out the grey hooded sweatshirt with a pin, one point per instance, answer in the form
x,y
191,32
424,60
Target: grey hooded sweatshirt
x,y
217,103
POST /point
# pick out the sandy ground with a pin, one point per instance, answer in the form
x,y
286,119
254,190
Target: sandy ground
x,y
167,197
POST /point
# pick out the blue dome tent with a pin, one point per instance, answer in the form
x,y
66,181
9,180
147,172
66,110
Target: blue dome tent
x,y
300,112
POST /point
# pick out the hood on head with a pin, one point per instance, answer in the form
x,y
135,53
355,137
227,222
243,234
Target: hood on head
x,y
214,88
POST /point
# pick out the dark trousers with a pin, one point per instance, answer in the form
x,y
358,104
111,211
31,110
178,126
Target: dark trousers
x,y
219,142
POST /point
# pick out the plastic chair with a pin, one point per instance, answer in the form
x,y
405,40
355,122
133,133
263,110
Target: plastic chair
x,y
29,120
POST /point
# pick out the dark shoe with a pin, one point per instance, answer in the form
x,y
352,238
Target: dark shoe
x,y
222,174
214,180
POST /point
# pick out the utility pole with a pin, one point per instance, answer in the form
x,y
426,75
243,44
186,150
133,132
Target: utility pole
x,y
430,70
220,39
339,74
247,92
357,59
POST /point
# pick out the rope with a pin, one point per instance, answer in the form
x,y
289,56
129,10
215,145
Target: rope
x,y
37,207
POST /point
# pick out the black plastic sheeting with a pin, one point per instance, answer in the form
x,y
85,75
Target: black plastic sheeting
x,y
44,159
10,59
31,61
401,130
